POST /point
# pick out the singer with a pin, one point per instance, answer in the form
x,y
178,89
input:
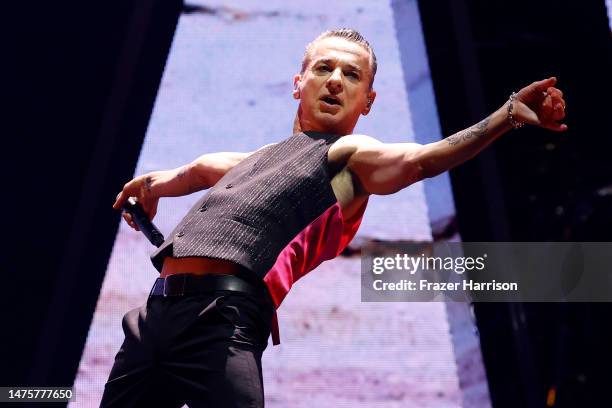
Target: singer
x,y
268,218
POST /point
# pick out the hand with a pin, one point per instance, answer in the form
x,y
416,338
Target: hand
x,y
139,188
541,104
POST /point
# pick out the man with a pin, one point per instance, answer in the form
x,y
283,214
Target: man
x,y
270,217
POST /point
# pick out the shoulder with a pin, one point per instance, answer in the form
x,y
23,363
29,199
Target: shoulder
x,y
258,151
343,148
265,146
355,140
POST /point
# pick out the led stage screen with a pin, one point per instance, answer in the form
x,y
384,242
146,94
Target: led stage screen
x,y
227,87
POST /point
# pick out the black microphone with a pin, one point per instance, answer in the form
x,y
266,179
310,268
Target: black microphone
x,y
133,207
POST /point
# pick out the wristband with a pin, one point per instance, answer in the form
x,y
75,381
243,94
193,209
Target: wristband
x,y
515,123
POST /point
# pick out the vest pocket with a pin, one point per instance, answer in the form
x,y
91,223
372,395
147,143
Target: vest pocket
x,y
241,220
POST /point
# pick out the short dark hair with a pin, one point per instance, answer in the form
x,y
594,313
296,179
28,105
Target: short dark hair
x,y
350,35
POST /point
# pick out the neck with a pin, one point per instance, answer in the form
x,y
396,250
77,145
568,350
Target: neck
x,y
298,127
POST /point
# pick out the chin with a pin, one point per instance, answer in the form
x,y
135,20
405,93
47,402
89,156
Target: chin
x,y
330,123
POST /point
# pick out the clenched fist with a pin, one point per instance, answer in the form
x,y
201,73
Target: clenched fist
x,y
541,104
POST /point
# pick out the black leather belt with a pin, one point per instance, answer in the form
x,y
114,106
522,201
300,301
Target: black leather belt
x,y
181,284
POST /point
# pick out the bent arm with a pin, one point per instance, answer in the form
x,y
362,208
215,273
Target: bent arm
x,y
202,173
385,168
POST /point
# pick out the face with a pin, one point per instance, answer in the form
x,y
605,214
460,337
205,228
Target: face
x,y
335,87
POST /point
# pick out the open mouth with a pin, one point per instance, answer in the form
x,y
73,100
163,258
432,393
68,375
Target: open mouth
x,y
331,100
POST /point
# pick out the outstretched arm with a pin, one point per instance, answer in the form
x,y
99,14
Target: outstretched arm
x,y
384,168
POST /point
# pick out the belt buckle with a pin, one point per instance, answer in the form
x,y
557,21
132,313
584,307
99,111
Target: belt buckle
x,y
169,281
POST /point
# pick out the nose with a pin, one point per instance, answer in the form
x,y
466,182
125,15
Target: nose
x,y
334,82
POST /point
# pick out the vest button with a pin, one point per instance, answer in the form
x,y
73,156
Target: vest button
x,y
230,185
202,209
180,234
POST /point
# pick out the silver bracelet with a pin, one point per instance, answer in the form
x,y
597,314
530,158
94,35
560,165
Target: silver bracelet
x,y
515,123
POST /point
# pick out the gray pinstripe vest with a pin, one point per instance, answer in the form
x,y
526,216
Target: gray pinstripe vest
x,y
259,206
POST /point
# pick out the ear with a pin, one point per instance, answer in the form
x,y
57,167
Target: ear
x,y
369,103
296,86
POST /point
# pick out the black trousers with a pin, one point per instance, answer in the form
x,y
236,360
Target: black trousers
x,y
202,350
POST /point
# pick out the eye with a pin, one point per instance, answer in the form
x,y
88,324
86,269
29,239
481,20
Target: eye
x,y
323,68
352,74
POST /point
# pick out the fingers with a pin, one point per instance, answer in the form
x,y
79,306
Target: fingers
x,y
126,192
130,189
559,112
557,127
121,197
134,189
544,84
552,109
128,218
546,102
554,92
534,94
546,112
557,103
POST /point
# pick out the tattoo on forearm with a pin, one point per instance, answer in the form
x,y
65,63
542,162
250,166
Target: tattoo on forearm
x,y
181,174
475,131
148,183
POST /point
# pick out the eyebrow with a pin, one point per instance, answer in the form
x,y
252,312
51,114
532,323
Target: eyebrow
x,y
331,61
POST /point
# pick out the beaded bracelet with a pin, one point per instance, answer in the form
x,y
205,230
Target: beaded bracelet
x,y
515,123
